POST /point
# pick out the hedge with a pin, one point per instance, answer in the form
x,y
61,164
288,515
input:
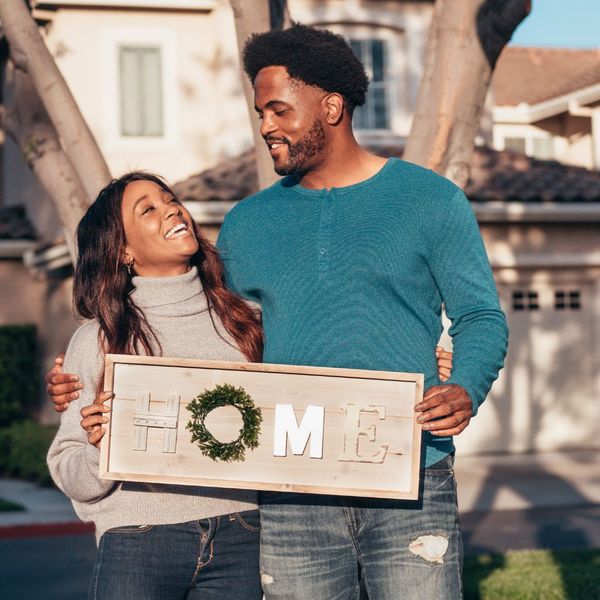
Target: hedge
x,y
19,371
23,449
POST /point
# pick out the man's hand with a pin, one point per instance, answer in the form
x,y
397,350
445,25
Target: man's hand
x,y
445,410
444,362
62,387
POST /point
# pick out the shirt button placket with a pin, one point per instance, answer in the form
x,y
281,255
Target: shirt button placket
x,y
324,231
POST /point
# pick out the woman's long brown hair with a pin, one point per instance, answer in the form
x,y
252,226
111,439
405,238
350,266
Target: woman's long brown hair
x,y
102,285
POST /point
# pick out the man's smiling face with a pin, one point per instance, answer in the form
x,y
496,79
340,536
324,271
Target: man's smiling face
x,y
291,114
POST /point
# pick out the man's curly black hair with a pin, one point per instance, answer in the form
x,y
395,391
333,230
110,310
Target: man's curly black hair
x,y
313,56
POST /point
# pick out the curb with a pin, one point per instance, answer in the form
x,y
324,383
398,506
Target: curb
x,y
45,530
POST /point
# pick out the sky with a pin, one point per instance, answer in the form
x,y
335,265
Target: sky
x,y
562,23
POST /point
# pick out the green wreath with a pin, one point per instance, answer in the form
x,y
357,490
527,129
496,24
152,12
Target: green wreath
x,y
224,395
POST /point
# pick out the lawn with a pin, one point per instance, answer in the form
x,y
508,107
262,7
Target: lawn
x,y
533,575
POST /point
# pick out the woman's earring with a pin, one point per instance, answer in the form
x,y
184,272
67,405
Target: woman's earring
x,y
129,266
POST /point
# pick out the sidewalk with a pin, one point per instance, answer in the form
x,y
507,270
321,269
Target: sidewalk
x,y
486,484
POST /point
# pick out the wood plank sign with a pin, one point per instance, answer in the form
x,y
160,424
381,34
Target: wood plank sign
x,y
280,428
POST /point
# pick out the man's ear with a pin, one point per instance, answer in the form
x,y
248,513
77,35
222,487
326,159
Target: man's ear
x,y
334,108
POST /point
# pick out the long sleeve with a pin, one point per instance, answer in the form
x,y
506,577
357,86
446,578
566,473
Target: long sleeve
x,y
462,272
73,462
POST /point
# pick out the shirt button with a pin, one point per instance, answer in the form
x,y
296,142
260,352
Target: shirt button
x,y
323,251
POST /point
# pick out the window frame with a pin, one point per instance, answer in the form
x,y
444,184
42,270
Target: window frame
x,y
113,40
399,96
139,50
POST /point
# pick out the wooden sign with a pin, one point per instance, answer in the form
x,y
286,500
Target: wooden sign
x,y
326,431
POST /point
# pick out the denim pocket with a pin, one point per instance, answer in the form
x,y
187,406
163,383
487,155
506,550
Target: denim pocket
x,y
131,529
249,520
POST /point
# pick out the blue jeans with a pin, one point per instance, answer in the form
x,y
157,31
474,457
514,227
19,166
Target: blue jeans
x,y
314,547
209,559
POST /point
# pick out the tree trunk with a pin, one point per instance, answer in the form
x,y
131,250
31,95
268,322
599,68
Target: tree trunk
x,y
29,53
253,17
465,40
26,121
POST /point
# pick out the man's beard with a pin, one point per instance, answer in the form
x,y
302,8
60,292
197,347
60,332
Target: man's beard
x,y
306,148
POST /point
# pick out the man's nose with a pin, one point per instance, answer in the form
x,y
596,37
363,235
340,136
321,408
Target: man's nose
x,y
267,126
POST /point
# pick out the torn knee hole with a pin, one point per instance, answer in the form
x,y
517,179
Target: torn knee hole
x,y
431,548
266,579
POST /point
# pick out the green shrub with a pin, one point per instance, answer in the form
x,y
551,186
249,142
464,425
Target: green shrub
x,y
23,449
19,371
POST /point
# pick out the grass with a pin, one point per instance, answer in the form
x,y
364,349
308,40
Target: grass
x,y
6,506
533,575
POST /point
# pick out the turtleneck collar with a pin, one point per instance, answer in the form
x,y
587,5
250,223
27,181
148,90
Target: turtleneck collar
x,y
170,296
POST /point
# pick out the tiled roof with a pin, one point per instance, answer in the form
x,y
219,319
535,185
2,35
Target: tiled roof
x,y
495,176
14,224
509,177
231,179
532,75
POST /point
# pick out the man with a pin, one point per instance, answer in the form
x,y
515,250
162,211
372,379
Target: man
x,y
351,257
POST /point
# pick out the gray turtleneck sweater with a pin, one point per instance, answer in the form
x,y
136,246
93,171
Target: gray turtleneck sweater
x,y
176,309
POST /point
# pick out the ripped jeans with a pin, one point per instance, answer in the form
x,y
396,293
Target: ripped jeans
x,y
314,547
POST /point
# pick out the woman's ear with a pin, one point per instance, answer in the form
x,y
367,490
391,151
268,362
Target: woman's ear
x,y
127,256
334,108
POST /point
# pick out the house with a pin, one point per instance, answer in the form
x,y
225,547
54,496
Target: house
x,y
546,104
158,82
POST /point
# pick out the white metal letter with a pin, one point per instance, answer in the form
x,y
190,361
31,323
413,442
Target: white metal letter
x,y
286,427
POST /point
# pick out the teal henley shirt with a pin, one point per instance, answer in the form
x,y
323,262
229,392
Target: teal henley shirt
x,y
356,277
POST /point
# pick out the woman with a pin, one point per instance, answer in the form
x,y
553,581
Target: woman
x,y
149,283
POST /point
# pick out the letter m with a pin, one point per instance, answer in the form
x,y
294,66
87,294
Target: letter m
x,y
286,427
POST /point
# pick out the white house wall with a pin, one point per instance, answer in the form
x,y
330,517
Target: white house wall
x,y
572,138
205,117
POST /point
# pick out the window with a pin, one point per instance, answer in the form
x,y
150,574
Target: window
x,y
567,300
140,91
375,113
515,144
525,300
543,148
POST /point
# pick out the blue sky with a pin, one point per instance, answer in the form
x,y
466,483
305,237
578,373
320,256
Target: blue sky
x,y
564,23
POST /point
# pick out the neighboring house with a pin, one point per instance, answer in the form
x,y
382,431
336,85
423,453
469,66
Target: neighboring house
x,y
546,104
540,222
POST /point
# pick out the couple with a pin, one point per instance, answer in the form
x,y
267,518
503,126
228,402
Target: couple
x,y
350,257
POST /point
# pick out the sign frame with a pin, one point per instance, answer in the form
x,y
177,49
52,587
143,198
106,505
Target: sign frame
x,y
122,375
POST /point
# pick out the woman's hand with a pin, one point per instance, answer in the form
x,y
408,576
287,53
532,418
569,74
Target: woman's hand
x,y
62,387
93,417
444,360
